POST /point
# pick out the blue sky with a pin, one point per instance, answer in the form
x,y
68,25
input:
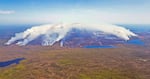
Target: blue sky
x,y
93,11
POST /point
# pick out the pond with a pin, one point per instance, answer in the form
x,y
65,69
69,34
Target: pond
x,y
14,61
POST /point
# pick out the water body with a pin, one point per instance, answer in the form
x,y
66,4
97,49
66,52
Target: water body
x,y
99,47
137,28
136,42
14,61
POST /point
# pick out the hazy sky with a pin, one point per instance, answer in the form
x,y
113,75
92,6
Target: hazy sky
x,y
91,11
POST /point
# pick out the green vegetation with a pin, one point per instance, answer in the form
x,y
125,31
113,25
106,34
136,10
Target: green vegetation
x,y
107,74
14,72
84,76
65,62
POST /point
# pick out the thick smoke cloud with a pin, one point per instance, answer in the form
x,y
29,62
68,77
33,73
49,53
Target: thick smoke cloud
x,y
55,32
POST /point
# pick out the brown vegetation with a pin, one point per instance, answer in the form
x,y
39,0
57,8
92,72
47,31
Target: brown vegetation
x,y
125,62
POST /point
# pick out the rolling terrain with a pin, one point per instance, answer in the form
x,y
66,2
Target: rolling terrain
x,y
126,61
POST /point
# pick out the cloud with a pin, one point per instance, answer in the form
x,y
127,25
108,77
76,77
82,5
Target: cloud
x,y
56,32
6,12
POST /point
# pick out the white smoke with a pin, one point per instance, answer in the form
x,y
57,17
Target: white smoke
x,y
56,32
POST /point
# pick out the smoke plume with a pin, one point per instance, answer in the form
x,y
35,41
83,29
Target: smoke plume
x,y
55,32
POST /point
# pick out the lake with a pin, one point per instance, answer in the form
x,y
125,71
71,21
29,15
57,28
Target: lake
x,y
9,62
135,42
99,46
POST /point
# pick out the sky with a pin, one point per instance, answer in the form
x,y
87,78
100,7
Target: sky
x,y
87,11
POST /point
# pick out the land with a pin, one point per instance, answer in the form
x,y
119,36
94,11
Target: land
x,y
127,61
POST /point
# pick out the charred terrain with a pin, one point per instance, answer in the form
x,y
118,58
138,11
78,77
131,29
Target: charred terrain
x,y
126,61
